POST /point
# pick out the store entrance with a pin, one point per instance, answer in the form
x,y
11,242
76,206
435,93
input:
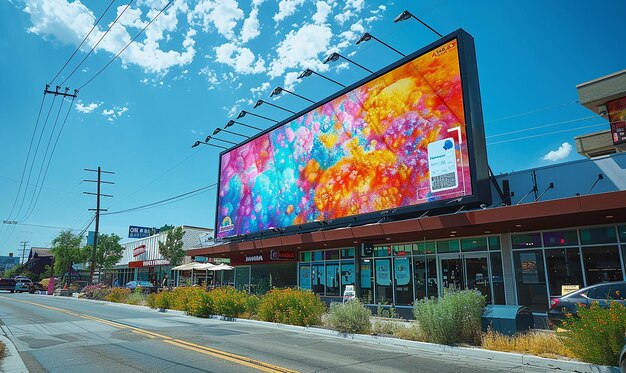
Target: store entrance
x,y
469,271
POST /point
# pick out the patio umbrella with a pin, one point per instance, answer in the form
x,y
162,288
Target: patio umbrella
x,y
186,267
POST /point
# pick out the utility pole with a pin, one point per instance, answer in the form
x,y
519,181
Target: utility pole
x,y
99,181
23,243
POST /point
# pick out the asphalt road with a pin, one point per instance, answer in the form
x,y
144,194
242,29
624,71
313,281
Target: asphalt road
x,y
54,334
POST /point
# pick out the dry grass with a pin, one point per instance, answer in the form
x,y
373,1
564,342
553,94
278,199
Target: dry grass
x,y
539,343
1,350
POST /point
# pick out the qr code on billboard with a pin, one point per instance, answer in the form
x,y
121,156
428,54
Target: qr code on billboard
x,y
444,181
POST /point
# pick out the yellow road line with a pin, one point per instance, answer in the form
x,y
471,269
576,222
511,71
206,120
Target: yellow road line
x,y
239,359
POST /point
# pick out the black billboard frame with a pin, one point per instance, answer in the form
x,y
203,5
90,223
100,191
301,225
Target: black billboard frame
x,y
476,145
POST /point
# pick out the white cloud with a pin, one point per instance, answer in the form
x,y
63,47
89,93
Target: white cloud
x,y
323,9
222,14
561,153
251,27
290,80
286,8
114,113
301,49
341,18
350,36
240,58
86,108
260,89
70,22
107,112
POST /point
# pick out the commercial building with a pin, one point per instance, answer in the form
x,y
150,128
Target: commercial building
x,y
384,186
142,261
8,262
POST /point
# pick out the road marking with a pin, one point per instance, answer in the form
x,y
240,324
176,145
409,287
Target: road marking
x,y
238,359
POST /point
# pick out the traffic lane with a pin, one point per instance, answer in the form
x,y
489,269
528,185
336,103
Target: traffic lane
x,y
296,350
52,341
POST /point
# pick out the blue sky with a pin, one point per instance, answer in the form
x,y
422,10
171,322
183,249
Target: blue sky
x,y
203,61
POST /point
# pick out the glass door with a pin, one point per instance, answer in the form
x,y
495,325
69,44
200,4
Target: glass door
x,y
451,272
477,275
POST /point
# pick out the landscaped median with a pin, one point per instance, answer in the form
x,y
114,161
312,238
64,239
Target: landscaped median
x,y
596,336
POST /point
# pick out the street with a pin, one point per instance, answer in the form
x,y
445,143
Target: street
x,y
54,334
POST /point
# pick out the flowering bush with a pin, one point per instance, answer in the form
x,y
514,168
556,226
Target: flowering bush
x,y
350,317
291,306
201,304
229,301
162,300
596,335
118,295
181,297
97,291
456,317
252,305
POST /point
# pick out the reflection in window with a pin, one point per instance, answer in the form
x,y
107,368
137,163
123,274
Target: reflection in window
x,y
598,235
347,275
447,246
602,264
402,279
564,272
317,278
383,281
332,279
497,278
425,248
494,243
474,244
305,276
531,280
347,253
525,241
560,238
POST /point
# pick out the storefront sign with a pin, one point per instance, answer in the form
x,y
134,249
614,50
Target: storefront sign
x,y
402,274
141,232
253,258
565,289
530,273
200,259
281,255
156,262
383,272
139,250
138,264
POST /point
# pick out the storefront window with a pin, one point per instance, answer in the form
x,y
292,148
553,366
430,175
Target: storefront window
x,y
525,241
242,278
531,279
381,251
383,281
347,275
367,281
497,278
474,244
402,278
449,246
602,235
425,248
564,272
402,250
331,254
560,238
318,278
332,279
266,276
602,264
305,276
347,253
317,255
622,233
305,256
494,243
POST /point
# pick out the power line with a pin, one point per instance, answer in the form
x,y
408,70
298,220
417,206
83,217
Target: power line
x,y
532,112
542,126
162,201
127,45
548,133
81,43
50,159
94,47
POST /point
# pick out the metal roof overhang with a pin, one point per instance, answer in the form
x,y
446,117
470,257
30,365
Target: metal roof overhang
x,y
597,209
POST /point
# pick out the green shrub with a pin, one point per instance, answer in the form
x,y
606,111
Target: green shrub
x,y
229,301
454,318
151,300
118,295
163,299
596,335
252,305
350,317
180,298
201,304
387,327
136,297
291,306
98,291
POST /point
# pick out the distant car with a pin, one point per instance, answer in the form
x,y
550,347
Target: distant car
x,y
603,293
7,284
22,284
145,286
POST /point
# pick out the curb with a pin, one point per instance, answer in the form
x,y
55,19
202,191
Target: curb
x,y
12,362
479,353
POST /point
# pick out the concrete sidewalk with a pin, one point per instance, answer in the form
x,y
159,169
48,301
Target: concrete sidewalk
x,y
12,362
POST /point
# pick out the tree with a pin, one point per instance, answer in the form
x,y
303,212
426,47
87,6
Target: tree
x,y
172,248
166,228
109,251
67,251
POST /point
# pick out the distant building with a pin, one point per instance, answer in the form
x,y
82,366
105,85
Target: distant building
x,y
38,259
8,262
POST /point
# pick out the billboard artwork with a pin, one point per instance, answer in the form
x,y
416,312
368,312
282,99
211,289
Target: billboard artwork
x,y
398,140
617,117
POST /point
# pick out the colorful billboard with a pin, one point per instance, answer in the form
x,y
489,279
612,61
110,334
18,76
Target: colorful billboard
x,y
401,140
617,117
